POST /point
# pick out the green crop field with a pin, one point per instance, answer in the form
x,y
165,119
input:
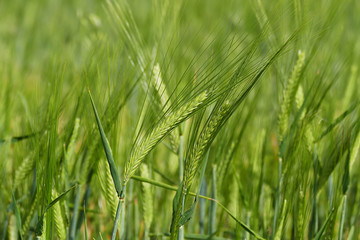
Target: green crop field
x,y
179,119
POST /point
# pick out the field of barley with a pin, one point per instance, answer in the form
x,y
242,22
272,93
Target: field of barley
x,y
179,119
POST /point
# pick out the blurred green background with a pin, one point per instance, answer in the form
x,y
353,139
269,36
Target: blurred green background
x,y
51,51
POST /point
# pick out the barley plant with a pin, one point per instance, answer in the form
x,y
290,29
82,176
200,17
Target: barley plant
x,y
159,119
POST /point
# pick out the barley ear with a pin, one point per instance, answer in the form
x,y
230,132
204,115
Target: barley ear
x,y
30,214
12,229
72,144
161,130
205,138
107,186
299,99
160,86
147,199
300,216
351,86
309,137
24,170
58,219
289,94
164,101
355,151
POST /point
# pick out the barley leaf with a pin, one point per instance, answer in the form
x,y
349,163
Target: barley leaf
x,y
40,223
53,202
338,120
107,149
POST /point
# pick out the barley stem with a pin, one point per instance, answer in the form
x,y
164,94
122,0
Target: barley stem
x,y
118,213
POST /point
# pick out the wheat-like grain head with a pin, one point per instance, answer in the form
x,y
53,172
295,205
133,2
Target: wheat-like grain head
x,y
58,219
289,94
164,127
24,170
147,199
107,186
72,145
26,225
192,164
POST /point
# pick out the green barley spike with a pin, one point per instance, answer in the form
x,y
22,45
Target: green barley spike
x,y
299,99
300,217
351,86
163,128
72,144
159,85
88,163
164,99
24,170
107,186
58,219
147,199
309,137
289,94
355,151
193,162
223,165
30,215
12,230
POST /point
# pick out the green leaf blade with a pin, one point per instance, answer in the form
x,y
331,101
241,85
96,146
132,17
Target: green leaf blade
x,y
107,149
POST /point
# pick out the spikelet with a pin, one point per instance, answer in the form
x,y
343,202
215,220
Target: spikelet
x,y
147,199
24,170
289,94
300,216
309,137
174,141
26,225
299,99
12,229
223,165
159,85
58,219
88,164
260,138
351,86
355,150
192,164
72,145
107,186
43,236
149,142
281,225
164,98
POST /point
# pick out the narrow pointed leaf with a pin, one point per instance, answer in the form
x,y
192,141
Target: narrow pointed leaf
x,y
53,202
40,223
107,149
338,120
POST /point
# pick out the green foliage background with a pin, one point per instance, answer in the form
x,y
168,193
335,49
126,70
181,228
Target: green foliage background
x,y
278,124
